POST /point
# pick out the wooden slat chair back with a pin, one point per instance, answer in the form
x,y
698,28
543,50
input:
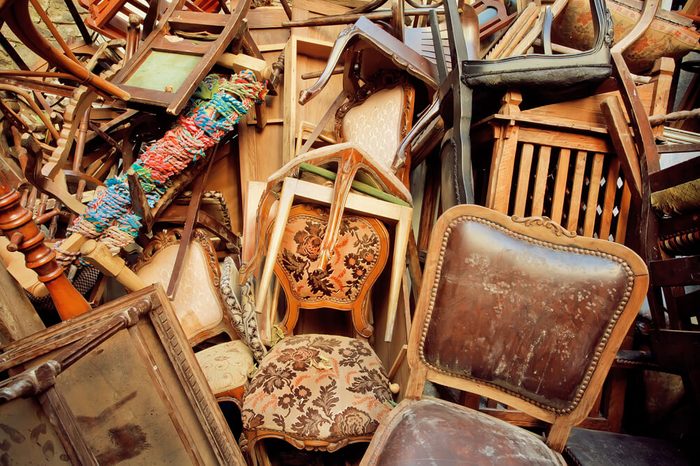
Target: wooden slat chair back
x,y
558,161
520,311
111,17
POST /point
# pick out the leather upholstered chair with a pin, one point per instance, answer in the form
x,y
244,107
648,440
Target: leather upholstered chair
x,y
316,391
518,310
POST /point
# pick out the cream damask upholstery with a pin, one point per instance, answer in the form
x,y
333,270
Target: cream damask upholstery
x,y
199,307
196,303
226,367
330,389
375,126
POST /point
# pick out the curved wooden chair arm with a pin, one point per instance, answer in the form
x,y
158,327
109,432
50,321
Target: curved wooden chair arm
x,y
377,38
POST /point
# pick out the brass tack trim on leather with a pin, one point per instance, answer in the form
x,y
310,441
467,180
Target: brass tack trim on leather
x,y
599,348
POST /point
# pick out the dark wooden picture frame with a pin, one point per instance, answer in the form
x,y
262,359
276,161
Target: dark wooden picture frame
x,y
117,385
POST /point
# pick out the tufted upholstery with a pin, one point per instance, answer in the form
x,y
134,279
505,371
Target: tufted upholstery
x,y
317,387
226,367
432,431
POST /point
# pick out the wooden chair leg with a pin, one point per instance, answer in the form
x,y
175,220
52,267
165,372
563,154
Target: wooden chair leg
x,y
283,208
398,266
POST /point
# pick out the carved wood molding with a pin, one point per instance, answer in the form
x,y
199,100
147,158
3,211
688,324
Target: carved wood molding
x,y
544,222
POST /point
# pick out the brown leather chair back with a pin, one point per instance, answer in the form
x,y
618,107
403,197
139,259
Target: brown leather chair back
x,y
522,311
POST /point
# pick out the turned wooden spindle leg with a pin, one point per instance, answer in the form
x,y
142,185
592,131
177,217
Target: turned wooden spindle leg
x,y
16,223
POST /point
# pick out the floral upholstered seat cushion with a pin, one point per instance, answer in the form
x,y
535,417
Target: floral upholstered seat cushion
x,y
226,367
317,387
358,258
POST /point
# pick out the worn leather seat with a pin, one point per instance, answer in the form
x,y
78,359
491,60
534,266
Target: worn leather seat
x,y
440,432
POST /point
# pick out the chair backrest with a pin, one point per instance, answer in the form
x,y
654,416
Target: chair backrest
x,y
198,303
523,312
358,259
377,119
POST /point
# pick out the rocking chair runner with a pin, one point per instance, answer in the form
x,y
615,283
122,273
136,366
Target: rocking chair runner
x,y
554,309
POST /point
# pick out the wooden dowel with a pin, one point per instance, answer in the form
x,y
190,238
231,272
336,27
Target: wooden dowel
x,y
351,18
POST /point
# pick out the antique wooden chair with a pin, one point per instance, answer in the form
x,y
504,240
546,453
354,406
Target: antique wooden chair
x,y
521,311
203,311
316,391
187,44
357,260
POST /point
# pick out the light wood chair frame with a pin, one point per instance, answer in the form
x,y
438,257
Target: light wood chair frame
x,y
296,189
535,229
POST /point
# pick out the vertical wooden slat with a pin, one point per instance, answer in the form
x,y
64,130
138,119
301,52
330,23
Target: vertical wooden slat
x,y
560,185
593,191
609,199
501,176
576,190
523,179
541,180
623,215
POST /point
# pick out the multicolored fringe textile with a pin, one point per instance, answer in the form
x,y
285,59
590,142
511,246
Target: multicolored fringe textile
x,y
213,111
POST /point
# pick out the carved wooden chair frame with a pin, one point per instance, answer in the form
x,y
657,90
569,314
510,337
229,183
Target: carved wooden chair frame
x,y
358,308
541,232
166,238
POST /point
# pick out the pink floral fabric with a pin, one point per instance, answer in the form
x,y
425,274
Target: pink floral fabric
x,y
318,387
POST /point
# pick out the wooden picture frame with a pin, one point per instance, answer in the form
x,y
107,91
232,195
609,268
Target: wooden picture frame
x,y
117,383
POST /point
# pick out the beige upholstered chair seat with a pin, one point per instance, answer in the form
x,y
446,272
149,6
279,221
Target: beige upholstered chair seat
x,y
432,431
226,367
324,388
376,125
196,303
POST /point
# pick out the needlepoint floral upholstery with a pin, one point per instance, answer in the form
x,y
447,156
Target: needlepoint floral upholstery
x,y
343,283
317,387
356,258
226,367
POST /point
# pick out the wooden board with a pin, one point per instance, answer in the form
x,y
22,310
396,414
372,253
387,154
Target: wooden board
x,y
260,151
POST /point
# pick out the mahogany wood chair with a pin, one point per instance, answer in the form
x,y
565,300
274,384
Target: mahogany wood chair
x,y
521,311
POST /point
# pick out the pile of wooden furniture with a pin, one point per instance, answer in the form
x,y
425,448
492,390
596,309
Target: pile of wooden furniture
x,y
350,232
